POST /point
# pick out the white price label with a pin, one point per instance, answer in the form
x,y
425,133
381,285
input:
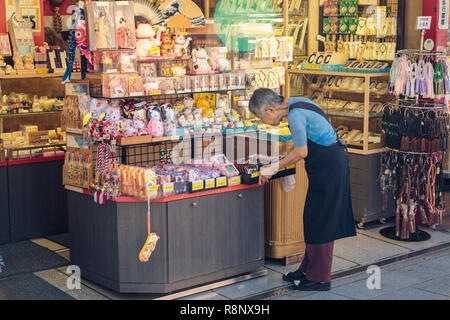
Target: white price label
x,y
423,23
321,38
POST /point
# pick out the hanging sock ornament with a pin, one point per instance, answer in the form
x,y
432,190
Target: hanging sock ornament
x,y
152,238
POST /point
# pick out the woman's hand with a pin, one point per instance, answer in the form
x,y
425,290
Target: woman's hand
x,y
267,172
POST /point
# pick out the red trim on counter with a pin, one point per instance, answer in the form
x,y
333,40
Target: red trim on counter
x,y
124,199
35,160
3,164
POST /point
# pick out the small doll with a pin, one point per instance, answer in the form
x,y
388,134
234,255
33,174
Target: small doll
x,y
123,34
28,62
101,32
169,117
155,125
18,63
166,45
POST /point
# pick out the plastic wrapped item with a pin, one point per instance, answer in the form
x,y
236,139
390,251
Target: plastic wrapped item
x,y
155,125
196,84
115,85
288,183
127,61
124,19
168,86
169,119
204,82
180,84
106,61
147,70
135,86
101,26
153,86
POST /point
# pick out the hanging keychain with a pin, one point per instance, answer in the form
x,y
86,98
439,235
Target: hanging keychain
x,y
152,238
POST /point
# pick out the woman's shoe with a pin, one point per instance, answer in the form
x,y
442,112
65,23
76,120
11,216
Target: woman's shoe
x,y
308,285
295,275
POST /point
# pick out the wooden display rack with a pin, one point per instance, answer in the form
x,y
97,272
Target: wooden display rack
x,y
366,148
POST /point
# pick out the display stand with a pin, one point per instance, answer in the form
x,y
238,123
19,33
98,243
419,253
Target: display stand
x,y
407,190
201,239
4,205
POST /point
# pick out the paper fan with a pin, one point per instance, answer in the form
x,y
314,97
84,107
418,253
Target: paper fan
x,y
187,8
145,11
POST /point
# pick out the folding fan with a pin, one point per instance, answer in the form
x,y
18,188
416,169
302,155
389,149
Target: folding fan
x,y
145,10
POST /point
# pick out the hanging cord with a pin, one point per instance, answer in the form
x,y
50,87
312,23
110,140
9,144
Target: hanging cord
x,y
431,183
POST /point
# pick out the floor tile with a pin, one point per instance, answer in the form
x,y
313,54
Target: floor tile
x,y
64,254
297,294
278,267
414,270
340,264
410,294
59,280
440,286
208,295
53,246
366,250
441,264
390,281
30,287
437,238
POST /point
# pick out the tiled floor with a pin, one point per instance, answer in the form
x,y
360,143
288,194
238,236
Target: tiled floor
x,y
406,278
425,277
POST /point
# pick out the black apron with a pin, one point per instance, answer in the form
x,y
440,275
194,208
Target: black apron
x,y
328,213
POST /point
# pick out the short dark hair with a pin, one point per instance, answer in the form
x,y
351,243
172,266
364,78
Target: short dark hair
x,y
262,99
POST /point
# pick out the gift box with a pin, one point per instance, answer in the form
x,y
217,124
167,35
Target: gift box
x,y
106,61
115,85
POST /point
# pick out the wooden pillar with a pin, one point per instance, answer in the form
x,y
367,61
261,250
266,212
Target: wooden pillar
x,y
412,36
313,26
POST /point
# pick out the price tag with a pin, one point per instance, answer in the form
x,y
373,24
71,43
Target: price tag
x,y
168,187
155,92
281,169
153,188
321,38
235,180
256,174
197,185
423,23
210,183
309,66
221,182
292,166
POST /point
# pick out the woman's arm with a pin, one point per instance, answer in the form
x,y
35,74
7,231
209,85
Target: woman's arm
x,y
294,156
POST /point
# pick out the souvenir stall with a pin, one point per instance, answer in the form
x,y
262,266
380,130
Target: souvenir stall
x,y
147,167
33,201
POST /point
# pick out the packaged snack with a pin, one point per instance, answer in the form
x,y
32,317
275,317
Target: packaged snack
x,y
135,86
149,247
101,27
168,85
140,112
115,85
124,19
127,61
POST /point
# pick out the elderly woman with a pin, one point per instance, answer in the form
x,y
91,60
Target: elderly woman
x,y
328,213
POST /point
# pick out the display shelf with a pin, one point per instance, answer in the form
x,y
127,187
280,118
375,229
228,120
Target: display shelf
x,y
12,115
32,76
166,94
355,116
341,74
